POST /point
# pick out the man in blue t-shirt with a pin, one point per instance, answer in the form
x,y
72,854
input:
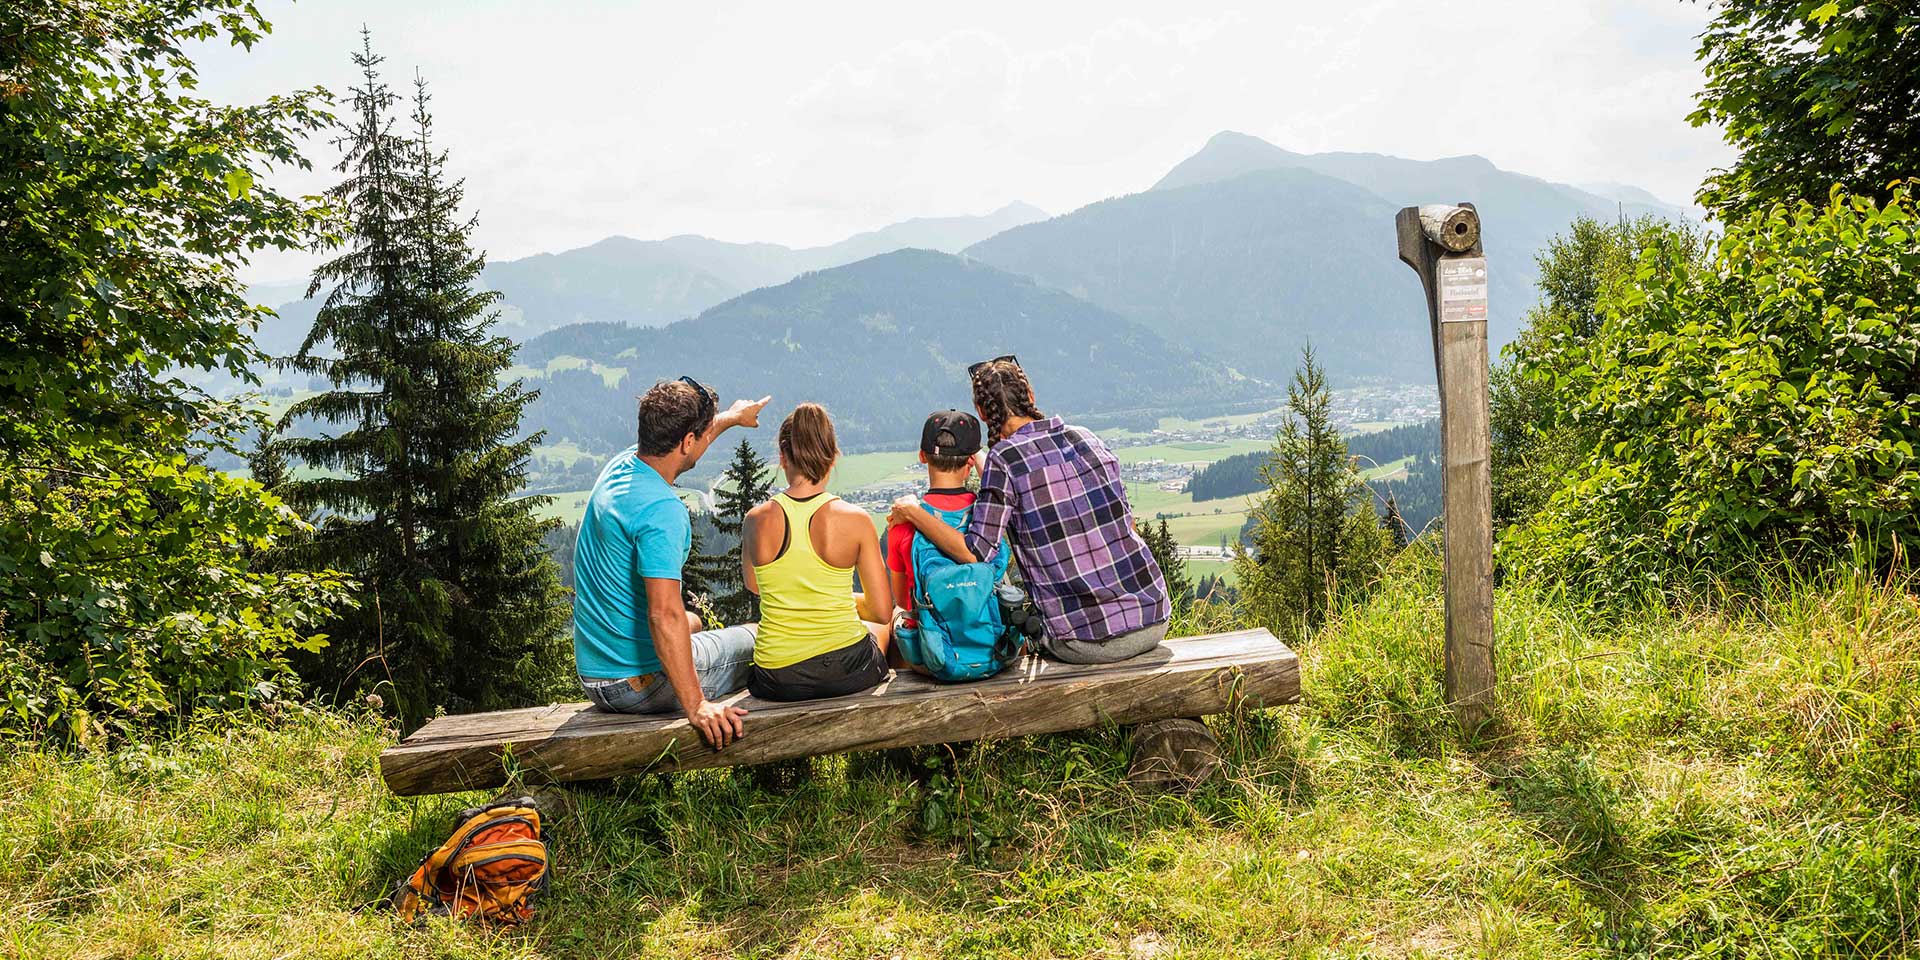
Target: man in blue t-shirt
x,y
635,645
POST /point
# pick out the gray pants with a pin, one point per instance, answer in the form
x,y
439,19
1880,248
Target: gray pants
x,y
1110,650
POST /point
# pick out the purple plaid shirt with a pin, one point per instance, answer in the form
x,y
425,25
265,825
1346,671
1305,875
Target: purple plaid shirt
x,y
1054,492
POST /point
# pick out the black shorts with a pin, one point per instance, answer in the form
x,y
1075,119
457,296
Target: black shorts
x,y
855,667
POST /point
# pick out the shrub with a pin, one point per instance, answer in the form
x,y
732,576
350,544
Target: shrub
x,y
127,206
1752,408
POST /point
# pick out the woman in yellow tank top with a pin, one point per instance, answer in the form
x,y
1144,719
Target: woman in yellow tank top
x,y
799,552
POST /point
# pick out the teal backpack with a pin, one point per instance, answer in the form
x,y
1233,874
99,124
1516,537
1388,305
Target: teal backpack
x,y
962,635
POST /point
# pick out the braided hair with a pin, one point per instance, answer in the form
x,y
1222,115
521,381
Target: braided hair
x,y
1001,391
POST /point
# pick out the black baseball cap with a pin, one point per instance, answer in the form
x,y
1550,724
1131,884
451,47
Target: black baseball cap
x,y
950,433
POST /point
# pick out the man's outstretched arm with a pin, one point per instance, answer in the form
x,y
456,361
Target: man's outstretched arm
x,y
743,413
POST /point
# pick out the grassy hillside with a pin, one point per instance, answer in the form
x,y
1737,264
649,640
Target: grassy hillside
x,y
1684,783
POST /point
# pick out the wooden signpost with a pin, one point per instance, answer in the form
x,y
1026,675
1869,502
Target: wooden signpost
x,y
1442,244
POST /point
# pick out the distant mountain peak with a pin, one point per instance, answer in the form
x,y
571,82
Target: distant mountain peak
x,y
1472,160
1230,154
1228,138
1226,155
1624,192
1020,208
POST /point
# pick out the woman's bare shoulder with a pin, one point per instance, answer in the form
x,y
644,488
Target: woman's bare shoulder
x,y
842,508
761,514
844,512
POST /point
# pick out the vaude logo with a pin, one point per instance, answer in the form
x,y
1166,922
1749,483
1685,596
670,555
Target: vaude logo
x,y
957,586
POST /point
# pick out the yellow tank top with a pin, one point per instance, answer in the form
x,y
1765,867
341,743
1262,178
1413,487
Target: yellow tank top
x,y
806,603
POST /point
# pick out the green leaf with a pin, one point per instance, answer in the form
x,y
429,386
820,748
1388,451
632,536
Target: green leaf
x,y
239,182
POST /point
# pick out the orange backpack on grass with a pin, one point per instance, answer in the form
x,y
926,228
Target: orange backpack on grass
x,y
490,869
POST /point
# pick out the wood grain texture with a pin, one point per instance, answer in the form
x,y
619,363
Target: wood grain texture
x,y
1456,228
1187,677
1467,501
1173,755
1460,364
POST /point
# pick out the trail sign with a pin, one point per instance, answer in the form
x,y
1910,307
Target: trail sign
x,y
1463,289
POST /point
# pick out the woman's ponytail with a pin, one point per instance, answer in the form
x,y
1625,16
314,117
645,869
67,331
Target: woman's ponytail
x,y
808,442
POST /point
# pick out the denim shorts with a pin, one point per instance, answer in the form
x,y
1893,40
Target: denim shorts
x,y
721,659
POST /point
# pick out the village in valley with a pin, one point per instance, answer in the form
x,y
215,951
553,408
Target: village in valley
x,y
1155,458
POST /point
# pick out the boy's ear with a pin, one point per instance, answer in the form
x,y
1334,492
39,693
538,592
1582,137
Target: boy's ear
x,y
923,456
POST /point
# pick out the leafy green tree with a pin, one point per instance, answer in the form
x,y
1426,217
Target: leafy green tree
x,y
1314,535
1535,437
127,204
1754,408
464,609
1813,93
747,483
1166,553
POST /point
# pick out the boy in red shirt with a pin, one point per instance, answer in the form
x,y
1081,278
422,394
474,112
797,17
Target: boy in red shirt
x,y
948,442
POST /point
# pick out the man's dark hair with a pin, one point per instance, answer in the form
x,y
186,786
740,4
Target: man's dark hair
x,y
670,411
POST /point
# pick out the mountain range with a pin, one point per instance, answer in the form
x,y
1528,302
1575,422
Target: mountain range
x,y
881,342
653,282
1246,252
1197,292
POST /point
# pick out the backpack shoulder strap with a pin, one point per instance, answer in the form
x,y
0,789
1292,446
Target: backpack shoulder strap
x,y
956,519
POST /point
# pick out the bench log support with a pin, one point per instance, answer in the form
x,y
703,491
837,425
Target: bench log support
x,y
1189,677
1173,754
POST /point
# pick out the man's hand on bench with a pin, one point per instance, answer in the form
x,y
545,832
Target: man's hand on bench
x,y
719,725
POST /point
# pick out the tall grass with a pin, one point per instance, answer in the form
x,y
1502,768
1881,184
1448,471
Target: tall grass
x,y
1733,777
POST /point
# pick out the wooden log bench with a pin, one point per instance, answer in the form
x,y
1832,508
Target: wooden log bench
x,y
1162,690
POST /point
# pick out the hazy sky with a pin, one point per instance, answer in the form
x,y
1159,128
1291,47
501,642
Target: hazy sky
x,y
803,123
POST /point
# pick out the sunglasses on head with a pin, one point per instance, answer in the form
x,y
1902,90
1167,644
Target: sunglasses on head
x,y
1010,358
708,405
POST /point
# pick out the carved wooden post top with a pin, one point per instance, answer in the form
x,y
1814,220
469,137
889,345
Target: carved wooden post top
x,y
1455,229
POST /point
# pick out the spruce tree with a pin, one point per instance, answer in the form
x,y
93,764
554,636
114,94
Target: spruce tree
x,y
1394,524
747,483
463,609
702,572
1314,530
1166,553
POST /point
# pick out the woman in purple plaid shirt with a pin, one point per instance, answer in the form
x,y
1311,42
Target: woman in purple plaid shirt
x,y
1054,491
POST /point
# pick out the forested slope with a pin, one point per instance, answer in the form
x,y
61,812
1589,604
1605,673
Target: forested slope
x,y
881,342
